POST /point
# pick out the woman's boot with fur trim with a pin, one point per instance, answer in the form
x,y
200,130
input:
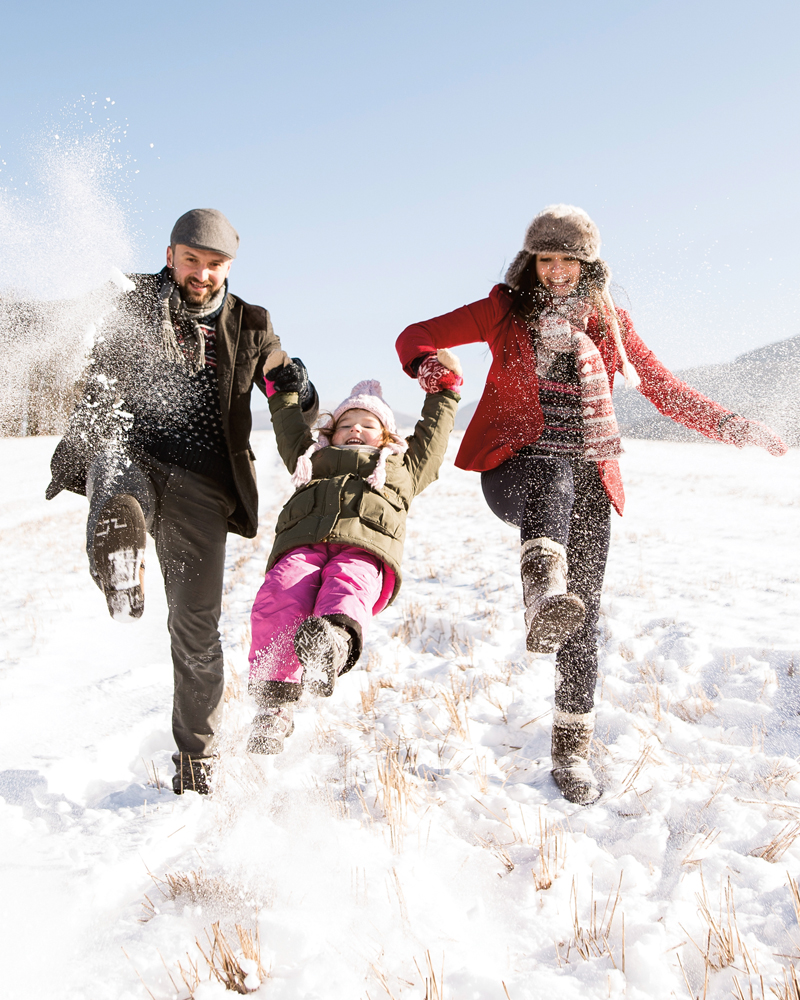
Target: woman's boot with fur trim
x,y
551,614
572,737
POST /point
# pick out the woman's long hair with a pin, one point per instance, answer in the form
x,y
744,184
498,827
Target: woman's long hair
x,y
530,298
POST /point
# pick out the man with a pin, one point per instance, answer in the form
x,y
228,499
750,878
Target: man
x,y
159,442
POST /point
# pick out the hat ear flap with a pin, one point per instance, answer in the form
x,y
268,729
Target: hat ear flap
x,y
377,479
517,266
599,274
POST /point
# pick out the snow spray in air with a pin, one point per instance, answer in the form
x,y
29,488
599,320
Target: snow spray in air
x,y
63,235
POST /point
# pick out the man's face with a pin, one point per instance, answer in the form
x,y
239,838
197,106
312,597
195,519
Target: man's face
x,y
198,273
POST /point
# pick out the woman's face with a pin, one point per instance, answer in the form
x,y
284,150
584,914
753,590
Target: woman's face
x,y
358,427
558,273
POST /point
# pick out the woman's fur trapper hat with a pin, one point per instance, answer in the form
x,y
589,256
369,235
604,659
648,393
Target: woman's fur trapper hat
x,y
366,395
557,229
568,230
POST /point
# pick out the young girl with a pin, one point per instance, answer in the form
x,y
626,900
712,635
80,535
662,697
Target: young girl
x,y
339,539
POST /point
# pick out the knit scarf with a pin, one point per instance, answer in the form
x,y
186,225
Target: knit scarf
x,y
562,327
178,315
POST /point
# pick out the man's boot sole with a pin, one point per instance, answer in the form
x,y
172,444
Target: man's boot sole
x,y
118,548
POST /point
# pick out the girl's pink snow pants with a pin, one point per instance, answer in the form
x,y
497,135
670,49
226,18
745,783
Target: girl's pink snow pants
x,y
321,579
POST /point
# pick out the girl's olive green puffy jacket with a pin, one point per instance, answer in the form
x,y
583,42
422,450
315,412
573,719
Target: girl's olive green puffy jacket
x,y
338,505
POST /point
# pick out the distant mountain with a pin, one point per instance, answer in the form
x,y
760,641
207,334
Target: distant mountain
x,y
464,415
763,384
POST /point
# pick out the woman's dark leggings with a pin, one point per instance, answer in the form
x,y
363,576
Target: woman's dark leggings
x,y
564,500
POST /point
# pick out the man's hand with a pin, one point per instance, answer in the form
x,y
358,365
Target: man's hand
x,y
440,371
740,431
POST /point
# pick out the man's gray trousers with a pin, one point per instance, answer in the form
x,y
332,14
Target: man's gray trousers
x,y
187,515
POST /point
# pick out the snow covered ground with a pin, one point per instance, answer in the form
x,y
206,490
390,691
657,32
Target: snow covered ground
x,y
410,842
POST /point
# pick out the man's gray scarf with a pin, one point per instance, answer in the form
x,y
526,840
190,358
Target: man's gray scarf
x,y
180,315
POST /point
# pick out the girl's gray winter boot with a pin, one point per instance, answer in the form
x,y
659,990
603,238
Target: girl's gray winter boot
x,y
271,726
323,648
572,737
551,614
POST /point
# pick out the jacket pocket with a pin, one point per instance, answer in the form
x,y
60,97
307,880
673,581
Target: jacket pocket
x,y
385,513
298,506
244,368
394,498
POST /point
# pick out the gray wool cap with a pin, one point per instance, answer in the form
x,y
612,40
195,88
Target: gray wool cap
x,y
206,229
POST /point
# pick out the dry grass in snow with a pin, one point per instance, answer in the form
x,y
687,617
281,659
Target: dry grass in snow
x,y
409,842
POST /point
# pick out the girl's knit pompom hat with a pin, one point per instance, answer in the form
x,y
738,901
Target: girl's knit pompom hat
x,y
566,229
366,395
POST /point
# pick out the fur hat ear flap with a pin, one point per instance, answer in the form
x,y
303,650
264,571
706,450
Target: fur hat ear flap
x,y
603,274
517,266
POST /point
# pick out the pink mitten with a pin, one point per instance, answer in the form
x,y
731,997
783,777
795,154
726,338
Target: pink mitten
x,y
740,431
440,371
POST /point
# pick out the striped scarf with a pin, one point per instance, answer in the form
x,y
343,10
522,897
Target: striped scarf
x,y
562,327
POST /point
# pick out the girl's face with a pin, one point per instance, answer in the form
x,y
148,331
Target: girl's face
x,y
558,273
358,427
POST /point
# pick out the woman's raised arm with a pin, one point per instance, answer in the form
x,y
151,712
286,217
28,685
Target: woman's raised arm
x,y
467,325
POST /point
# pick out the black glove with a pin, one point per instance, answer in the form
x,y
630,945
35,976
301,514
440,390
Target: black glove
x,y
291,378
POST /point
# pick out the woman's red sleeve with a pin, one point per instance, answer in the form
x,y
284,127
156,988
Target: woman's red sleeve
x,y
674,398
467,325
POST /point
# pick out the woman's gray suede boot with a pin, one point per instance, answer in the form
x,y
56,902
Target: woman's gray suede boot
x,y
572,737
551,614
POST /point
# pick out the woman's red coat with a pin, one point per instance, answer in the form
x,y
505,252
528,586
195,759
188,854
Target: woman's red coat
x,y
509,416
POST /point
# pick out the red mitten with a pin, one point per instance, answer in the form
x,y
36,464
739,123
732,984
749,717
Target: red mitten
x,y
740,431
440,371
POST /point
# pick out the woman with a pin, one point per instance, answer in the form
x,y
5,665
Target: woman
x,y
545,440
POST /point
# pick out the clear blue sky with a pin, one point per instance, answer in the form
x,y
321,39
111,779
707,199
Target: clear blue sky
x,y
382,160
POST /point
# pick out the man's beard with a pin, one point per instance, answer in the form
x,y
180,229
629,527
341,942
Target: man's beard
x,y
193,296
